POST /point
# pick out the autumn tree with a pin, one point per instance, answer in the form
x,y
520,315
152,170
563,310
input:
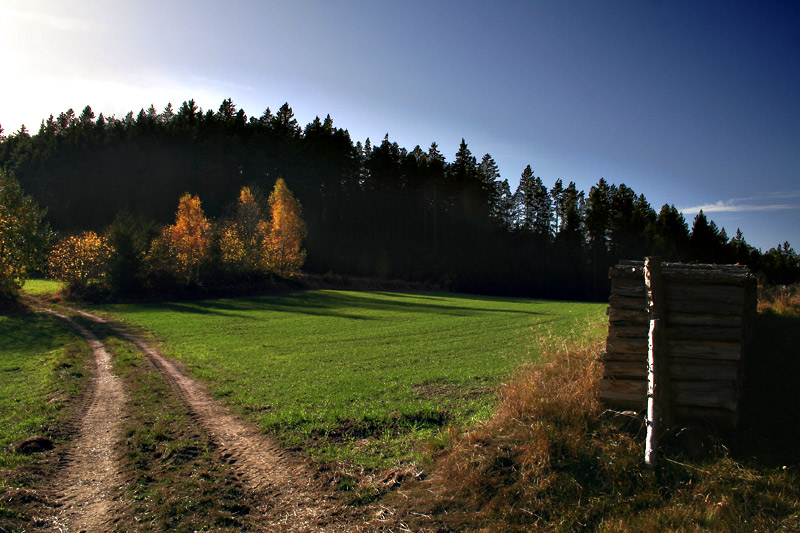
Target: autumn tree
x,y
243,239
24,236
286,231
188,239
79,259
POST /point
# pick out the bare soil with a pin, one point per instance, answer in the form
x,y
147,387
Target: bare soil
x,y
87,490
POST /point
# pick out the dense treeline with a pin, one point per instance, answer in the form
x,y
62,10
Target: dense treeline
x,y
378,211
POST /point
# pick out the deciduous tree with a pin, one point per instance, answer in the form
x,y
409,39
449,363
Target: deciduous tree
x,y
286,231
79,259
24,236
188,239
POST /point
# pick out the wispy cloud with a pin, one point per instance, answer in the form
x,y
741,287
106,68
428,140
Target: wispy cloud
x,y
53,21
753,203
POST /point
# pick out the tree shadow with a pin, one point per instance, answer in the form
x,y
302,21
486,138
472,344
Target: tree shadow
x,y
770,416
334,304
31,332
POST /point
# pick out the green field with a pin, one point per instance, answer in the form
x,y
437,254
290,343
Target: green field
x,y
360,377
41,370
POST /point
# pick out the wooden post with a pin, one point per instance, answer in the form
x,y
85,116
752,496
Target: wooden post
x,y
658,408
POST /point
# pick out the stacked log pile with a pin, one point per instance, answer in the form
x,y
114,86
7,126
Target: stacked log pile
x,y
710,312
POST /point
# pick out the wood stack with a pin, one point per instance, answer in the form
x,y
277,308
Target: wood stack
x,y
710,311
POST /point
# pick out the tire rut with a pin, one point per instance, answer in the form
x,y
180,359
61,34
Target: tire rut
x,y
87,488
294,498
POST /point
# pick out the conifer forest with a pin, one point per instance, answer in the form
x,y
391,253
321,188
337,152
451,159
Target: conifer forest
x,y
371,209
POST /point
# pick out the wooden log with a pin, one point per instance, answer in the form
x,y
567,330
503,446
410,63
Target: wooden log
x,y
707,277
626,394
691,319
628,287
697,274
624,386
700,307
625,370
627,315
627,345
625,272
703,370
724,294
626,302
705,333
718,394
704,349
622,329
639,357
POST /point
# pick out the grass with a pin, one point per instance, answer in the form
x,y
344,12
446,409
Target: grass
x,y
41,370
552,458
41,287
42,373
359,378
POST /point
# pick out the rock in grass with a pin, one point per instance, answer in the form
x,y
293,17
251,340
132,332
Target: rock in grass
x,y
33,444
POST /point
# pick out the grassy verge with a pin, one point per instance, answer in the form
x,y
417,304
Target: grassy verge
x,y
42,368
359,378
42,371
175,477
551,457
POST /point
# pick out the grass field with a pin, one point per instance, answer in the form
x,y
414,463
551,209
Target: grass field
x,y
41,369
360,377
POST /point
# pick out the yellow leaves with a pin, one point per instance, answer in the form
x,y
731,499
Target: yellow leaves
x,y
287,231
188,239
249,243
232,248
80,258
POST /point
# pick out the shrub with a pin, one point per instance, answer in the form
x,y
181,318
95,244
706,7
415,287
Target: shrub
x,y
79,259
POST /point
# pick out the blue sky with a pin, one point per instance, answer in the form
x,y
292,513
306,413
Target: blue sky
x,y
695,104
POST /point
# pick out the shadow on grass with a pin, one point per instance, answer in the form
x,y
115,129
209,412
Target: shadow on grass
x,y
770,423
334,304
31,332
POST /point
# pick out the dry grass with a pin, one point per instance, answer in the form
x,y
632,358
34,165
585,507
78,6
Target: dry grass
x,y
780,299
553,458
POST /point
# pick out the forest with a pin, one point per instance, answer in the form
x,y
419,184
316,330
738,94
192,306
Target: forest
x,y
370,210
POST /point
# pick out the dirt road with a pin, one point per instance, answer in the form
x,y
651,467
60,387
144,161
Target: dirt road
x,y
290,493
87,490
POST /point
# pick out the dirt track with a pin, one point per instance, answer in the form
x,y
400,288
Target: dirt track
x,y
290,495
87,491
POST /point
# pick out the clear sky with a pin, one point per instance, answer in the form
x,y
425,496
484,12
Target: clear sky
x,y
691,103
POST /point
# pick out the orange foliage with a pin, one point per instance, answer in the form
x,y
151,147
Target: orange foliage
x,y
242,241
188,238
78,259
286,232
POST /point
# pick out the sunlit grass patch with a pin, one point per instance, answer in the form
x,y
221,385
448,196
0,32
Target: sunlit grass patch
x,y
355,377
41,287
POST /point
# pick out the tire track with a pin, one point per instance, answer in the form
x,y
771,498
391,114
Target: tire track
x,y
294,498
87,489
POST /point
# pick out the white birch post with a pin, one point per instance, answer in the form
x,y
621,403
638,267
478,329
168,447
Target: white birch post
x,y
658,409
